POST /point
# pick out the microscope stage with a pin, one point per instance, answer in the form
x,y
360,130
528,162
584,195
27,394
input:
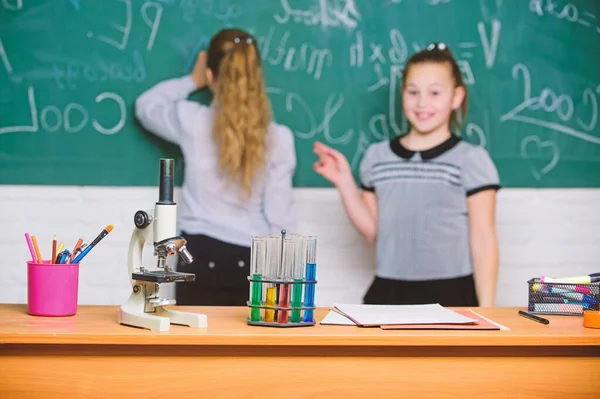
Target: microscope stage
x,y
163,276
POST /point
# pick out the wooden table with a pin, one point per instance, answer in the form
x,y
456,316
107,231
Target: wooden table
x,y
90,355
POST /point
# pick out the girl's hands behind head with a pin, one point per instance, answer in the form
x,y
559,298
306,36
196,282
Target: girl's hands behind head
x,y
332,165
199,71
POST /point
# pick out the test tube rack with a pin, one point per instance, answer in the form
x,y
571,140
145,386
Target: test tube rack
x,y
282,281
264,308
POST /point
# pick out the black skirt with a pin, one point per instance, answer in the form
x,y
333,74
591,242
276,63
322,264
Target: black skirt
x,y
221,271
449,292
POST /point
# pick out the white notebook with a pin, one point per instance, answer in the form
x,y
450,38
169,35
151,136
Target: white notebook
x,y
377,315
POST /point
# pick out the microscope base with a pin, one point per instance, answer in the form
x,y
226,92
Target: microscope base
x,y
133,313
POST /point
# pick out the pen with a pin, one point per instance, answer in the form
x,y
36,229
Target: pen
x,y
533,317
87,249
61,258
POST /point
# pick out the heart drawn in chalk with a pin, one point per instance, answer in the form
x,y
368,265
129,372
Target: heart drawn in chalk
x,y
542,156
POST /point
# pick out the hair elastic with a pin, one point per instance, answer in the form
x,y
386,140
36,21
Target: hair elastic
x,y
238,40
437,46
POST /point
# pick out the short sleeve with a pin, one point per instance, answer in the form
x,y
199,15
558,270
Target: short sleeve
x,y
366,170
479,172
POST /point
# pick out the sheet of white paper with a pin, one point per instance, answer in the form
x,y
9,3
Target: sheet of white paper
x,y
334,318
376,315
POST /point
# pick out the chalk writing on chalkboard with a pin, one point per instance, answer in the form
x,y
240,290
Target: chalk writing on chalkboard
x,y
72,69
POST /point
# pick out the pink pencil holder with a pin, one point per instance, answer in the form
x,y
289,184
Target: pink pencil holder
x,y
52,289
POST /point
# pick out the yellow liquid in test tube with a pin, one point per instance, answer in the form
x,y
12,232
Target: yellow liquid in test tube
x,y
270,301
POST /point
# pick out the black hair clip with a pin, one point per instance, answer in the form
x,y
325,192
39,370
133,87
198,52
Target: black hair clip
x,y
437,46
238,40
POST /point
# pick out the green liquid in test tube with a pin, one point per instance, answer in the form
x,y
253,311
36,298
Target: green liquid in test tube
x,y
311,275
257,267
298,274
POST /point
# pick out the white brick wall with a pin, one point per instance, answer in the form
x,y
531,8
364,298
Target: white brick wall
x,y
551,232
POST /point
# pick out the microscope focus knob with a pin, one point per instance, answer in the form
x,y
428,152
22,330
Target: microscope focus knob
x,y
141,219
171,249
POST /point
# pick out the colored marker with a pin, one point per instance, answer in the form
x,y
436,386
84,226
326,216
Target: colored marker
x,y
533,317
572,279
37,250
62,257
31,249
102,234
567,308
542,287
576,296
53,247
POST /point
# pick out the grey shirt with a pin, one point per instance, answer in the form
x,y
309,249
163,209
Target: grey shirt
x,y
210,204
423,226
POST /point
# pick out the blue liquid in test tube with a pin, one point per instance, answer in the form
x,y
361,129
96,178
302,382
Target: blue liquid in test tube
x,y
311,275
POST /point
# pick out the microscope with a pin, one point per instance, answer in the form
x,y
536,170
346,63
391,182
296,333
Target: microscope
x,y
145,308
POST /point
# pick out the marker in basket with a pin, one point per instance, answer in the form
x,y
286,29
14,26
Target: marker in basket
x,y
31,249
572,280
546,287
102,234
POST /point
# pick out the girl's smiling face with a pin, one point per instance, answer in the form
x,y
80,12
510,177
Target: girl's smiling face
x,y
429,96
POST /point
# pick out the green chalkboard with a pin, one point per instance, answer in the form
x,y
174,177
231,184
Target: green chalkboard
x,y
70,71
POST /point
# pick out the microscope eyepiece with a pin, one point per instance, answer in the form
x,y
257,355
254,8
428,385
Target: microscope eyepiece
x,y
165,188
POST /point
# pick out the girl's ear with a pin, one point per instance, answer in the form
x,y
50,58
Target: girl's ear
x,y
210,78
458,98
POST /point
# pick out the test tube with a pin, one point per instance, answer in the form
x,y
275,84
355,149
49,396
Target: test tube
x,y
298,274
311,275
257,267
273,262
285,272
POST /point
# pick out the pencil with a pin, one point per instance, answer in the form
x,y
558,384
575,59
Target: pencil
x,y
37,250
61,246
79,242
53,248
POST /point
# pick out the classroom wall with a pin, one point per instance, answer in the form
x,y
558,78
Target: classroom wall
x,y
541,231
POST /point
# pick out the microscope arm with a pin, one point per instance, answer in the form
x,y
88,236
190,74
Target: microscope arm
x,y
139,237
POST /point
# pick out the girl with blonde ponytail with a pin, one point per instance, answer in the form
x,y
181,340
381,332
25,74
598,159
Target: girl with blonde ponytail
x,y
238,170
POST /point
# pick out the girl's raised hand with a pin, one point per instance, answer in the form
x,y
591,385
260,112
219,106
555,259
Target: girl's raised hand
x,y
199,71
332,165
